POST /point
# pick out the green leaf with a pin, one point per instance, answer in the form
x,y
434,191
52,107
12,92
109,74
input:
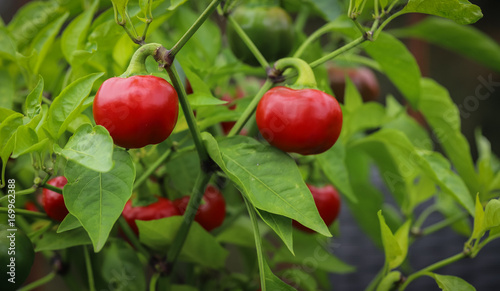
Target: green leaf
x,y
68,104
120,266
301,278
202,95
492,214
402,236
460,11
97,199
75,35
42,43
70,222
51,240
398,64
313,251
369,115
466,40
443,116
416,162
120,6
7,45
274,283
452,283
89,147
281,225
7,89
394,254
269,178
24,139
478,220
371,199
332,163
353,99
8,128
23,28
200,247
34,100
240,233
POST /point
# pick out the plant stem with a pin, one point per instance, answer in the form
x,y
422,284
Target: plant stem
x,y
188,217
384,24
39,282
132,237
250,109
338,52
25,212
137,64
442,224
431,268
188,113
258,243
305,75
192,30
52,188
314,36
88,266
374,283
151,169
153,281
249,43
423,216
19,193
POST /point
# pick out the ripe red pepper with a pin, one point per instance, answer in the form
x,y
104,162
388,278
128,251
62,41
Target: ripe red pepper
x,y
327,200
160,209
304,121
137,111
53,202
212,210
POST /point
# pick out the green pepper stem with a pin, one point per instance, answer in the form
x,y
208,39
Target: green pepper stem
x,y
53,188
305,75
137,64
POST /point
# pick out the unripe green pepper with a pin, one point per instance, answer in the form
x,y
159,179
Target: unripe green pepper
x,y
270,29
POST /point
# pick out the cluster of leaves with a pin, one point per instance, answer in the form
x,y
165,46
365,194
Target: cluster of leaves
x,y
48,77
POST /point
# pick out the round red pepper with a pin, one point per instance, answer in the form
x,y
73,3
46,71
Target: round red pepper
x,y
304,121
160,209
212,210
327,200
53,202
137,111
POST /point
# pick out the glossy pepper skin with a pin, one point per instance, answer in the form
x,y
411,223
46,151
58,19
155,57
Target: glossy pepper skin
x,y
327,200
160,209
212,210
53,202
270,29
137,111
24,257
304,121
